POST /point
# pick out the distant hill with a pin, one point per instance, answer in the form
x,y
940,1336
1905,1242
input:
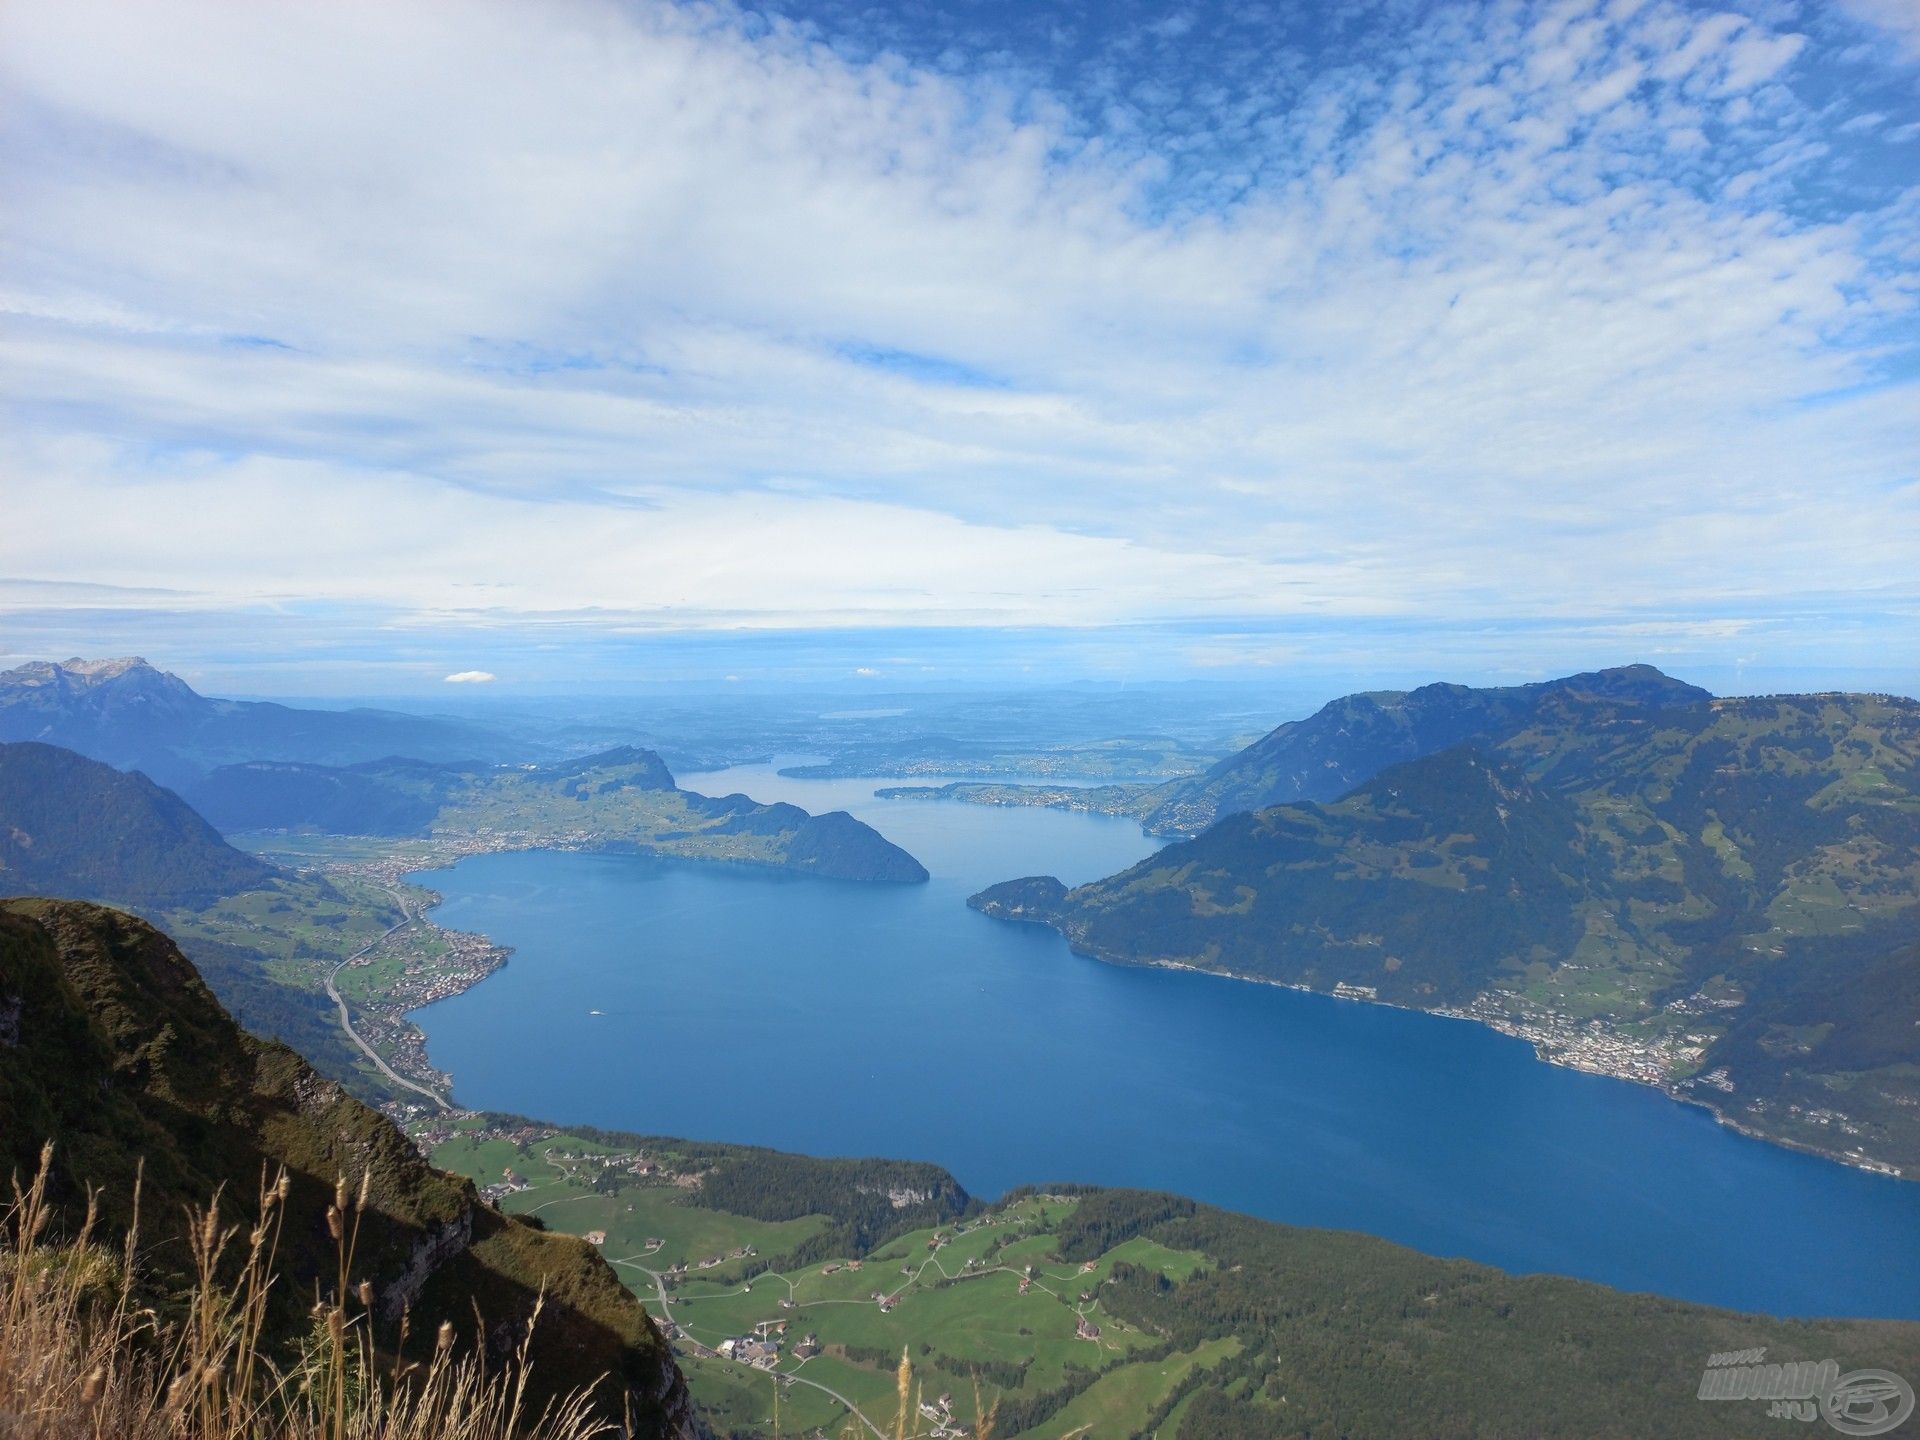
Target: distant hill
x,y
132,715
79,829
1357,736
74,827
113,1048
398,797
1721,896
1324,756
620,799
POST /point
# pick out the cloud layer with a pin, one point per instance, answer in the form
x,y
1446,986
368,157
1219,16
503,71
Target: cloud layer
x,y
661,317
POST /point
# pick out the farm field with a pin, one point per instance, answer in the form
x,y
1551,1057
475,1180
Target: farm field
x,y
981,1305
795,1290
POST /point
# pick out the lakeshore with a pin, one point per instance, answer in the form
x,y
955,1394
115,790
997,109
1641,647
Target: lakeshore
x,y
897,1022
899,1019
1592,1049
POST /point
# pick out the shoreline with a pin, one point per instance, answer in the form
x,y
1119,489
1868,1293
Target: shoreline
x,y
386,1023
1544,1046
405,1042
465,959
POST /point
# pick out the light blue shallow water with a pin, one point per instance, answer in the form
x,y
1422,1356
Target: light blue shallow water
x,y
844,1019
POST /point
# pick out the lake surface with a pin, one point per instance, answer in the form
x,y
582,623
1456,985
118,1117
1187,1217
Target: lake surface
x,y
836,1018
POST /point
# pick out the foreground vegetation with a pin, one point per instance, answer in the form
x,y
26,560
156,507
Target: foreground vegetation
x,y
90,1346
1074,1312
110,1042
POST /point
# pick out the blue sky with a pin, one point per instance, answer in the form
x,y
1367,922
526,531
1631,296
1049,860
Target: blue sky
x,y
351,346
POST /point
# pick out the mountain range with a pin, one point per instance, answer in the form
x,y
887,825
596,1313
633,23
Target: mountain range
x,y
1615,865
257,765
134,716
1355,737
1718,895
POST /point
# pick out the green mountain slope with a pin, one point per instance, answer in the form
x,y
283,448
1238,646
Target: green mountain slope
x,y
79,829
620,799
1205,1325
1357,736
70,826
1345,742
114,1048
1720,898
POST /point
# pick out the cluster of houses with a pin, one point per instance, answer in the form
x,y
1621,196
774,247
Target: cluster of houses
x,y
940,1412
761,1349
510,1181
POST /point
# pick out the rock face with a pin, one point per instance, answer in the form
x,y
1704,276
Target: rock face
x,y
123,1057
451,1238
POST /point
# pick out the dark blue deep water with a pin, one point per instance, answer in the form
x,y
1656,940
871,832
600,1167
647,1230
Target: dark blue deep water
x,y
845,1019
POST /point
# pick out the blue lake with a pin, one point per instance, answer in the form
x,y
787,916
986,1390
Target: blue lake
x,y
844,1019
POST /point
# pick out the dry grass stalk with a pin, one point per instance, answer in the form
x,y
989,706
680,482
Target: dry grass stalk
x,y
81,1359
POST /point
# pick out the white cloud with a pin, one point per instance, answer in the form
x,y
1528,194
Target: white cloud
x,y
1899,20
471,677
608,315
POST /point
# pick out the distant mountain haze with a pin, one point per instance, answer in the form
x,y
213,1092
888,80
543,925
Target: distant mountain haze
x,y
128,713
256,765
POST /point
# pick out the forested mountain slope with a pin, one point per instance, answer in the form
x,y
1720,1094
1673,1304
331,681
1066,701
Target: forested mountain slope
x,y
1357,736
1723,897
73,827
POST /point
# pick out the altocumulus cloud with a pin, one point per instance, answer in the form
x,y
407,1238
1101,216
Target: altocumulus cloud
x,y
659,316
